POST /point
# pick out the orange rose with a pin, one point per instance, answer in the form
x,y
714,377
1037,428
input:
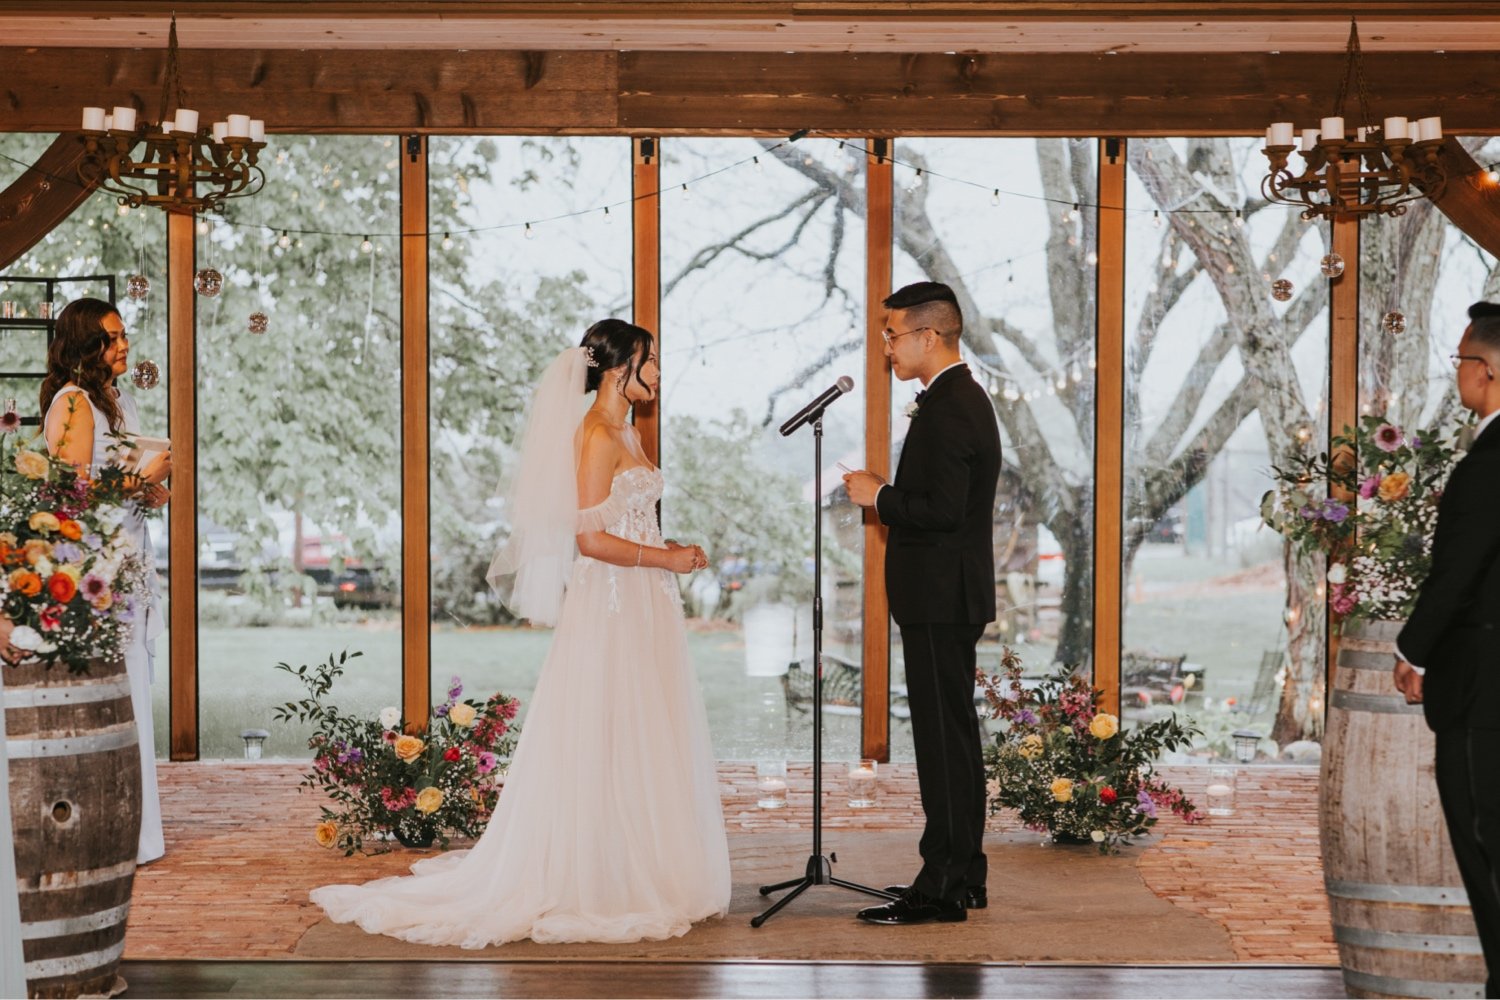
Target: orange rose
x,y
408,748
1395,487
27,582
62,587
71,530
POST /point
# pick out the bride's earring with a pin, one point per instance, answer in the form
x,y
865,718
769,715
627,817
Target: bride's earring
x,y
621,382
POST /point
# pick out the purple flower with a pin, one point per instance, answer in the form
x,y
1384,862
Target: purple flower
x,y
1370,486
1025,717
66,552
1334,511
1388,437
93,541
1416,442
455,689
1144,804
1309,513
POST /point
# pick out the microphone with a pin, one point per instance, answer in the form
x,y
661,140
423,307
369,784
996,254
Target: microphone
x,y
814,410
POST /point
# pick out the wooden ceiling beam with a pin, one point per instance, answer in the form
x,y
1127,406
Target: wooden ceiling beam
x,y
686,92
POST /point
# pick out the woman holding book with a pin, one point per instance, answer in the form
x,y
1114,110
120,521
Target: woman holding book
x,y
89,422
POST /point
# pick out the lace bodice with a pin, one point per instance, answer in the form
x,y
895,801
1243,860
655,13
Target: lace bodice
x,y
629,511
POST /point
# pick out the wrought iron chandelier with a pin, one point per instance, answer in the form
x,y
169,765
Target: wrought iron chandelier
x,y
1378,169
182,168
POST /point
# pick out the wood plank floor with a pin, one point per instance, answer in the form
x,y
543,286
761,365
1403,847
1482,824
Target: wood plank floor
x,y
210,980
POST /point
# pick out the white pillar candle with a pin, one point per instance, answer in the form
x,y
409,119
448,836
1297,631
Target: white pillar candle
x,y
1430,128
239,126
1309,139
257,130
1332,129
185,120
109,122
221,129
1219,791
1281,133
124,119
169,126
93,120
1395,128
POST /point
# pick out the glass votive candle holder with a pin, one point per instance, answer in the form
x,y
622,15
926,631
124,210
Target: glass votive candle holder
x,y
862,779
44,309
770,784
1220,793
8,309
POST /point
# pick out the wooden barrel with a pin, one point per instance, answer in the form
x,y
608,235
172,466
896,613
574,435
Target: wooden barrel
x,y
75,799
1400,913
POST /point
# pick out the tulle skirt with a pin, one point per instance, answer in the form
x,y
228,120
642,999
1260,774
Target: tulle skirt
x,y
609,827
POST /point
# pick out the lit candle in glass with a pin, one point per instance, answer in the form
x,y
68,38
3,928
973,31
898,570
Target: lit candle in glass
x,y
862,778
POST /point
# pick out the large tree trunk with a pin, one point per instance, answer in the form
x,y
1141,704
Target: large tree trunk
x,y
1306,651
1075,638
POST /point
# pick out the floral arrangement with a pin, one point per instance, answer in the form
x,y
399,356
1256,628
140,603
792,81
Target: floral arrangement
x,y
68,572
1069,769
388,783
1376,528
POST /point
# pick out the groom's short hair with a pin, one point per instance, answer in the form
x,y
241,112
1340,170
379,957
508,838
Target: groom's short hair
x,y
931,304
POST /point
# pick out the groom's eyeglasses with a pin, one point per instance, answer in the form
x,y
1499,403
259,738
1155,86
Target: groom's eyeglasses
x,y
890,338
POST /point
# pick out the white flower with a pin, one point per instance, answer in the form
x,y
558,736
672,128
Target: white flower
x,y
1097,836
390,717
47,647
110,517
43,567
910,410
26,637
1336,573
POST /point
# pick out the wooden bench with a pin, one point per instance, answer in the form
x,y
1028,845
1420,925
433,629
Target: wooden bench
x,y
842,683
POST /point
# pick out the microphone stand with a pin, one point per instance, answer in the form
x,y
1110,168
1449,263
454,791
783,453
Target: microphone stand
x,y
819,869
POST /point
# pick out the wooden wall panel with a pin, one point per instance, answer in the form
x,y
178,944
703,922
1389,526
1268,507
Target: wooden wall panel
x,y
416,543
1109,425
182,515
879,248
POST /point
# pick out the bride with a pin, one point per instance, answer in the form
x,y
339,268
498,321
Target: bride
x,y
609,827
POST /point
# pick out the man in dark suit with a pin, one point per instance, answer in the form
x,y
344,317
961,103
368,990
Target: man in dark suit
x,y
1449,651
940,579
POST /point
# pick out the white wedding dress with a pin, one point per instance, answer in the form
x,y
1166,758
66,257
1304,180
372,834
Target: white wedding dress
x,y
609,827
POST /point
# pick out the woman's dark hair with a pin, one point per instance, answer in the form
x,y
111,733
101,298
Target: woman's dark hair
x,y
77,356
615,342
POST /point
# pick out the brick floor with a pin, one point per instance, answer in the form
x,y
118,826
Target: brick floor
x,y
241,859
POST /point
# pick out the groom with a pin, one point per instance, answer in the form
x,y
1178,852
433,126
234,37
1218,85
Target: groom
x,y
940,579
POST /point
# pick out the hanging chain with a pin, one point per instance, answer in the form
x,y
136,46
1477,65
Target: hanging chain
x,y
1354,66
171,80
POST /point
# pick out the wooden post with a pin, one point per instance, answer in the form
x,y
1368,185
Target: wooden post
x,y
1109,423
646,233
416,564
1343,377
875,699
182,515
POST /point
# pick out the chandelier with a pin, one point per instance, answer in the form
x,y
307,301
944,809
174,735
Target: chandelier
x,y
181,168
1378,169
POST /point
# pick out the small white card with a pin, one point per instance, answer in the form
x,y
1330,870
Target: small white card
x,y
145,451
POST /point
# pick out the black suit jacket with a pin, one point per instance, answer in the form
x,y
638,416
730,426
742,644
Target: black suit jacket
x,y
1454,630
940,560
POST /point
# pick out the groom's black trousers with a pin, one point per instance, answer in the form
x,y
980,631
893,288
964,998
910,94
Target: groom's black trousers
x,y
940,662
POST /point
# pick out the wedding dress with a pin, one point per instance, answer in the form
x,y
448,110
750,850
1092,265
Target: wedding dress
x,y
609,827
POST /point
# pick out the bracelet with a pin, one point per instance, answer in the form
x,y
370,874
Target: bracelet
x,y
639,548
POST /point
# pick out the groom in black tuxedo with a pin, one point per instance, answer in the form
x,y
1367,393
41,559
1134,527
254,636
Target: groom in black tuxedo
x,y
940,579
1449,651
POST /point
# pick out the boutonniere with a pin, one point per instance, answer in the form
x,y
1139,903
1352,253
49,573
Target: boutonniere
x,y
911,410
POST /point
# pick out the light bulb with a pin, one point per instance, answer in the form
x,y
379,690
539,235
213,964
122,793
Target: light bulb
x,y
1239,219
756,160
608,219
1156,219
365,246
529,234
284,240
686,194
447,243
995,198
202,227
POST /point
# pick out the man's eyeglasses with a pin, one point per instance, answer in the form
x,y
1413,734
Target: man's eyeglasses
x,y
890,338
1458,360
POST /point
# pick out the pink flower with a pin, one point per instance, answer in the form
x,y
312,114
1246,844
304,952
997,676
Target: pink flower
x,y
487,762
1388,437
51,617
1370,486
1342,598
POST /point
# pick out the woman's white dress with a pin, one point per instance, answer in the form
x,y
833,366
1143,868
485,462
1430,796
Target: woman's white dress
x,y
140,655
609,827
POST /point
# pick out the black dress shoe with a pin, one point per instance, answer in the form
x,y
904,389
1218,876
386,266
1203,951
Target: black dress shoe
x,y
976,897
914,907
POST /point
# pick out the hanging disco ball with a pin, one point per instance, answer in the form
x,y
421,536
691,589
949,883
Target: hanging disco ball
x,y
208,282
145,375
259,322
1393,322
1281,289
1332,265
137,286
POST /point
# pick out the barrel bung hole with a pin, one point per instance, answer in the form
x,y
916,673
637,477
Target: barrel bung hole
x,y
62,812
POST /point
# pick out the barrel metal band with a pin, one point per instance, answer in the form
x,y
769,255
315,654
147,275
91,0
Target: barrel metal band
x,y
72,965
1390,986
1360,701
1373,631
39,696
1359,659
64,926
115,737
1438,944
78,878
1384,892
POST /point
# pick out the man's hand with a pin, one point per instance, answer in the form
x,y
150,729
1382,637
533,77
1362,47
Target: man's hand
x,y
862,487
1408,682
10,654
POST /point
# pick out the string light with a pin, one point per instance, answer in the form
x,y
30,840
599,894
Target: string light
x,y
686,194
447,243
1239,219
284,240
995,198
529,234
202,225
365,246
758,168
608,219
1156,218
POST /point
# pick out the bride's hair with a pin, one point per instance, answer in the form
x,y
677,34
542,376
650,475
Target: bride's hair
x,y
612,343
77,356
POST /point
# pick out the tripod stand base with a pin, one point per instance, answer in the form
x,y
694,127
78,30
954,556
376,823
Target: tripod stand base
x,y
819,872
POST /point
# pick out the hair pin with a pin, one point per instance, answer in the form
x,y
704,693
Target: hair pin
x,y
589,359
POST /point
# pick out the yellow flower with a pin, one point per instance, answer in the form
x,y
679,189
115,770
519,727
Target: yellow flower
x,y
1062,789
326,833
408,748
32,464
462,715
37,550
1395,487
1031,746
8,539
1104,726
71,569
429,800
44,521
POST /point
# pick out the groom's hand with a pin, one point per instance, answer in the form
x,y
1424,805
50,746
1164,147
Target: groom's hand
x,y
862,487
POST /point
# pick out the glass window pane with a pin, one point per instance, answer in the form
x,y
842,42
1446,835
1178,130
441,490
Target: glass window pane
x,y
503,305
1223,380
763,290
299,439
96,244
1023,264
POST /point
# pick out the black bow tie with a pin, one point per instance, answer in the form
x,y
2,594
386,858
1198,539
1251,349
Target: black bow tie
x,y
920,395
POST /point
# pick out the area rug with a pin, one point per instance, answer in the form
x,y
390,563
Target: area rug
x,y
1047,904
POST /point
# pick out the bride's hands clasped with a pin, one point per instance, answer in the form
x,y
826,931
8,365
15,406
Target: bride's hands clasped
x,y
685,558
